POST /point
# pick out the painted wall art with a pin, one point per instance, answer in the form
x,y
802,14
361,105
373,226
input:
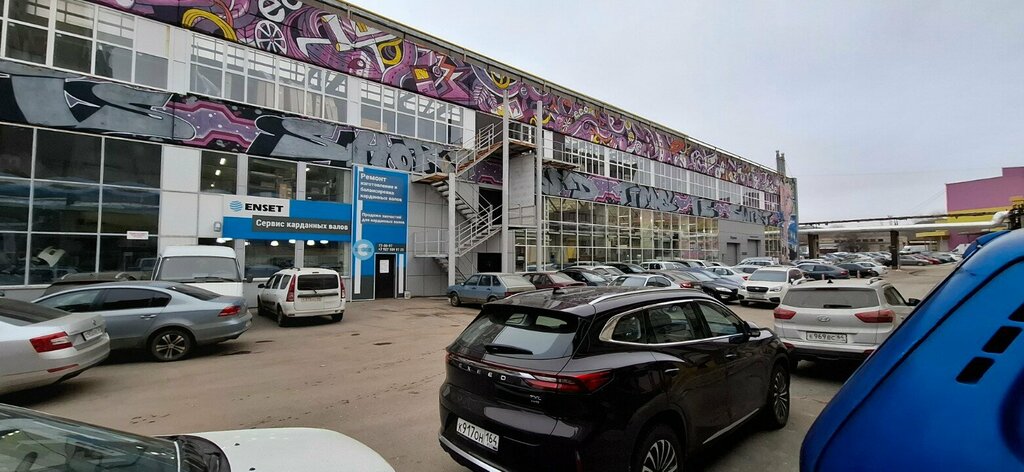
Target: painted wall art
x,y
42,97
347,44
570,184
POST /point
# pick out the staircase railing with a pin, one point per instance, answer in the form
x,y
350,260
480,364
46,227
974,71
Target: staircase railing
x,y
470,233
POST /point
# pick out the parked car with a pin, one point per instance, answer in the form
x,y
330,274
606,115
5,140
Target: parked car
x,y
714,264
586,276
627,267
302,293
34,441
662,265
879,269
214,268
42,346
728,273
487,287
603,379
759,261
710,283
642,280
744,271
551,280
86,278
767,284
908,260
605,270
167,319
855,269
839,319
947,383
824,272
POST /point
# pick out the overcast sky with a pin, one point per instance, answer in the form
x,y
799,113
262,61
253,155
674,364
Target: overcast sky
x,y
876,104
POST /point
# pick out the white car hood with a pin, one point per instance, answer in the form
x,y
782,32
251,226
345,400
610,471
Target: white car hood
x,y
295,450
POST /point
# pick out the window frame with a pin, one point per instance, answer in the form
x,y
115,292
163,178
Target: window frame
x,y
609,327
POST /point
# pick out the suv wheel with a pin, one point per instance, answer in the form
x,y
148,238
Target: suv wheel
x,y
170,345
491,298
658,452
259,307
337,317
776,412
282,321
454,300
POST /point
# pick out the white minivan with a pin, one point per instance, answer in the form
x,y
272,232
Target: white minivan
x,y
296,293
214,268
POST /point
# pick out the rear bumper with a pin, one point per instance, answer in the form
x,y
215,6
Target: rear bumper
x,y
805,350
222,330
293,313
760,297
58,368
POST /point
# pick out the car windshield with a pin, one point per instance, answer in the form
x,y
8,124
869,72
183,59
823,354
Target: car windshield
x,y
46,443
561,279
19,313
515,332
768,276
194,292
514,281
198,269
701,275
831,298
630,281
593,277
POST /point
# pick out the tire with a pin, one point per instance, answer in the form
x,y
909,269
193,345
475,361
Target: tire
x,y
171,344
744,303
658,451
491,298
777,407
259,308
454,300
337,317
282,321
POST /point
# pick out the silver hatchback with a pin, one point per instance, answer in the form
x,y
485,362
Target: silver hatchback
x,y
167,319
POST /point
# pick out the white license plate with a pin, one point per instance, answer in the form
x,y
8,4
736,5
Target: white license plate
x,y
311,299
477,434
92,333
757,295
827,337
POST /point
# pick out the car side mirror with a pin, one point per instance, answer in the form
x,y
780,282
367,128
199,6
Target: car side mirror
x,y
261,286
913,302
248,279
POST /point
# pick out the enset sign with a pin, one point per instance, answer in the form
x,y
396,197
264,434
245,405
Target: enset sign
x,y
235,205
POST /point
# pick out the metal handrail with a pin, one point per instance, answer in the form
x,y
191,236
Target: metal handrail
x,y
430,242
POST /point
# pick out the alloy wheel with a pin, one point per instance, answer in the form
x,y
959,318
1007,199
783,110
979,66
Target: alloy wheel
x,y
170,346
780,396
661,457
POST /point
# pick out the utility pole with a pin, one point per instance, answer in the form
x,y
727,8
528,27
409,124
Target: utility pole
x,y
539,210
504,181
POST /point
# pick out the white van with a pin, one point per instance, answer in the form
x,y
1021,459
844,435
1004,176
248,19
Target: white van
x,y
214,268
297,293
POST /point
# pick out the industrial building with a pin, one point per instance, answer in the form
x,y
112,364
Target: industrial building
x,y
319,134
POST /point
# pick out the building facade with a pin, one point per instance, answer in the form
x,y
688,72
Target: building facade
x,y
323,135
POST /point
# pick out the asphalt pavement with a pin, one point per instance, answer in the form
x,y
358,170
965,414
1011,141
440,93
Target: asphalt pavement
x,y
375,377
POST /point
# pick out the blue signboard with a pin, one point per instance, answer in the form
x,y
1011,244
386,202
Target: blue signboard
x,y
379,230
260,218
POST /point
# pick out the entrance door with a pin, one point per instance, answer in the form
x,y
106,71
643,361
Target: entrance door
x,y
384,276
753,248
488,262
732,254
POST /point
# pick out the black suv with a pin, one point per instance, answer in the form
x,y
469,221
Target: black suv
x,y
605,378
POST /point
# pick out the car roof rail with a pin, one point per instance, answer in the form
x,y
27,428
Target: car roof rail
x,y
631,292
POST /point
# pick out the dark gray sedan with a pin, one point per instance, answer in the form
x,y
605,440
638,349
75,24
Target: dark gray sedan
x,y
167,319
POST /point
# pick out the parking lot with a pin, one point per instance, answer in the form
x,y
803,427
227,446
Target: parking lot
x,y
375,377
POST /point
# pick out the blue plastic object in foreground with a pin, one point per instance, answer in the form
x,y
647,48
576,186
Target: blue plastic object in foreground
x,y
946,390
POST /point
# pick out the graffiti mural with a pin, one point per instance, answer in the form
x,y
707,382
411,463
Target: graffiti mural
x,y
788,202
570,184
42,97
345,44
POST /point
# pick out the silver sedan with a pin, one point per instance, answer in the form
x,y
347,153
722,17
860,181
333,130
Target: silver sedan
x,y
42,346
167,319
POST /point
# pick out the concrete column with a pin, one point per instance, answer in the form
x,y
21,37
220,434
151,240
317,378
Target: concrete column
x,y
504,181
813,246
241,188
894,248
538,138
452,246
300,194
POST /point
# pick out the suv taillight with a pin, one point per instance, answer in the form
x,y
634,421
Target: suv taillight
x,y
51,342
685,285
572,383
232,310
880,316
291,290
342,285
783,314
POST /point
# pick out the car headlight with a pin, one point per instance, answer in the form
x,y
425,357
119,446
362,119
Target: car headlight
x,y
775,289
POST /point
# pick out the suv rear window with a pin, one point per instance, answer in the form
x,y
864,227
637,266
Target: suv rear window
x,y
831,298
317,282
519,333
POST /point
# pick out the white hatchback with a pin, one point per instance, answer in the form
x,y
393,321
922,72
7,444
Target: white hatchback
x,y
840,319
768,284
298,293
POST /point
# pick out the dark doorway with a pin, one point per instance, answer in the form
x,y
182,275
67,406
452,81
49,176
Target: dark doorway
x,y
488,262
490,198
384,276
732,254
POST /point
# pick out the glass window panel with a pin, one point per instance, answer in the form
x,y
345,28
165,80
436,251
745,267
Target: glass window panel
x,y
14,205
314,104
30,11
315,79
264,258
290,99
234,58
72,52
261,65
441,132
75,17
218,172
56,255
291,73
388,121
406,124
441,113
151,70
115,27
389,98
234,87
271,178
67,156
205,80
260,92
328,255
328,184
455,115
336,109
15,151
370,93
65,207
12,257
126,209
26,43
407,102
425,129
336,85
114,62
371,116
131,163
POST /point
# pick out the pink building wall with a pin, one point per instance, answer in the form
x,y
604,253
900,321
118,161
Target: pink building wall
x,y
983,194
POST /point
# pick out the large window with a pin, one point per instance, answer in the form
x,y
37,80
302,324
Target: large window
x,y
264,258
219,172
328,184
89,39
328,255
87,192
402,112
271,178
